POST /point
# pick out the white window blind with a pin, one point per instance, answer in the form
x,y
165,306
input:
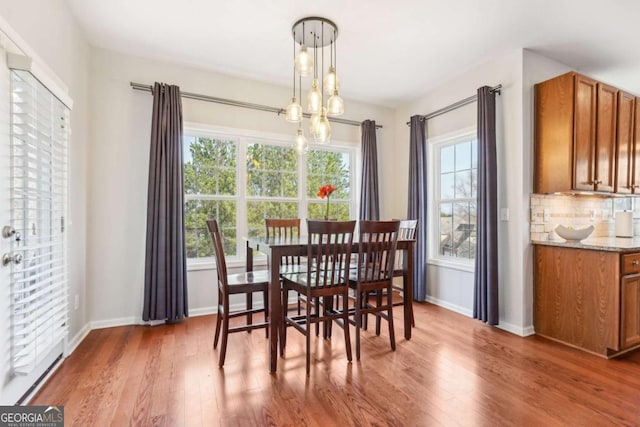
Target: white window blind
x,y
39,138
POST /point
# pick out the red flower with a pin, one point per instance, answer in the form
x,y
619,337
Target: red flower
x,y
326,190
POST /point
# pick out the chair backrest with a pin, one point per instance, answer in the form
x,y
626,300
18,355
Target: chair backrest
x,y
285,228
329,252
221,265
282,227
377,250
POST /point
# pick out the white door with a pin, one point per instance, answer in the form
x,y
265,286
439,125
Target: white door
x,y
33,191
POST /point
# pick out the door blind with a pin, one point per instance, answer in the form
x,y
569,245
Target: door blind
x,y
39,137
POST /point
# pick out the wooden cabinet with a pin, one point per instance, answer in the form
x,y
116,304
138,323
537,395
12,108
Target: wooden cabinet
x,y
575,135
636,147
625,147
588,299
630,311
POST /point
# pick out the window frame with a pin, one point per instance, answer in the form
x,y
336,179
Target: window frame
x,y
433,213
243,138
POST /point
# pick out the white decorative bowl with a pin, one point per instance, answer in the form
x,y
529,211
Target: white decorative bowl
x,y
572,234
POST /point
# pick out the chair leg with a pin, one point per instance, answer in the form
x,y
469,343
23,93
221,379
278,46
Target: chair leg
x,y
358,319
316,302
265,298
249,307
345,321
225,335
379,304
365,301
392,335
283,322
308,336
218,322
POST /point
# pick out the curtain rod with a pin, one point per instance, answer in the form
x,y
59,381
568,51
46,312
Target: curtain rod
x,y
455,105
234,103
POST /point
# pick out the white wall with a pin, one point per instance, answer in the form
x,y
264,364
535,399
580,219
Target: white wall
x,y
454,288
49,29
537,68
517,72
119,158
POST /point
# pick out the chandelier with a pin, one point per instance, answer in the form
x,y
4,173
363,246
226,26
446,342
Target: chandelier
x,y
314,33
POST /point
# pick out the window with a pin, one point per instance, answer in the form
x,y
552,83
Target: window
x,y
241,177
454,164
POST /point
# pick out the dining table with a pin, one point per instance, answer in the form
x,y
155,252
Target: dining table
x,y
275,247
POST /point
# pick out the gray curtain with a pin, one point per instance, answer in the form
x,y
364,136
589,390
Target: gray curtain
x,y
417,208
369,201
165,281
485,302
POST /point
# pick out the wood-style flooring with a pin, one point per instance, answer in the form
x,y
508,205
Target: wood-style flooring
x,y
454,372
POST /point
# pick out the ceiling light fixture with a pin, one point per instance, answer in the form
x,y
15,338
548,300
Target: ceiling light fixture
x,y
315,33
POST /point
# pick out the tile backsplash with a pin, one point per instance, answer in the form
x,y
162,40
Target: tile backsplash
x,y
549,210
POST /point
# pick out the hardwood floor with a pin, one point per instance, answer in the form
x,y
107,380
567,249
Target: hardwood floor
x,y
454,372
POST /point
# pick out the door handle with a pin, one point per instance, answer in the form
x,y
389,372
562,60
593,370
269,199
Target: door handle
x,y
8,232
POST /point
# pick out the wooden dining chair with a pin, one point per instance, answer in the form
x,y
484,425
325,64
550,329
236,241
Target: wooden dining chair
x,y
328,254
406,231
234,284
285,228
373,276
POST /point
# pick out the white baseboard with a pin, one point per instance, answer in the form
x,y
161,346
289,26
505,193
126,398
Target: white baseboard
x,y
203,311
509,327
112,323
517,330
449,306
77,339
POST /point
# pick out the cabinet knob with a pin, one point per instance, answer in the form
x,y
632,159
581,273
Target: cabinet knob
x,y
597,182
635,262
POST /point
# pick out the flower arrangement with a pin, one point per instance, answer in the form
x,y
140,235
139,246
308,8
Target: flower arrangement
x,y
325,191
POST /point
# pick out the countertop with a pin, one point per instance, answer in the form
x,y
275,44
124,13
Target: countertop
x,y
613,244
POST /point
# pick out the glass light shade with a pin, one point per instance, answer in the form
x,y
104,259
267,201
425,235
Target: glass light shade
x,y
301,142
294,111
323,129
331,82
304,62
335,105
314,98
313,123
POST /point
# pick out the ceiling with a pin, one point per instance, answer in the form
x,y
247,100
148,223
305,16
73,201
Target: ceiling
x,y
388,52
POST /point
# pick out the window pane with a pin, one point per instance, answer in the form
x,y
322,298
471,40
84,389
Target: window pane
x,y
197,212
337,210
271,171
328,167
209,166
447,184
463,185
463,155
474,153
445,225
447,163
258,211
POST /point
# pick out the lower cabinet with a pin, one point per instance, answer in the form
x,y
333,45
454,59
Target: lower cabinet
x,y
589,299
630,311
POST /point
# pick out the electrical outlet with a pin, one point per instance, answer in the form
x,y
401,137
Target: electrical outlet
x,y
504,214
76,302
546,215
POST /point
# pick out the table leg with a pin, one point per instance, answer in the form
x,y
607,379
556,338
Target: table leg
x,y
275,308
408,292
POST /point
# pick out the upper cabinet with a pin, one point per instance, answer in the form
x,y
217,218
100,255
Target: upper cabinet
x,y
576,137
625,150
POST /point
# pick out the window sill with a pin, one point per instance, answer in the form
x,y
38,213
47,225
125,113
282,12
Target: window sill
x,y
454,265
232,263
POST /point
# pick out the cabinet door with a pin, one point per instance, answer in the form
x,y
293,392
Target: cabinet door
x,y
606,137
630,311
624,143
584,145
636,148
